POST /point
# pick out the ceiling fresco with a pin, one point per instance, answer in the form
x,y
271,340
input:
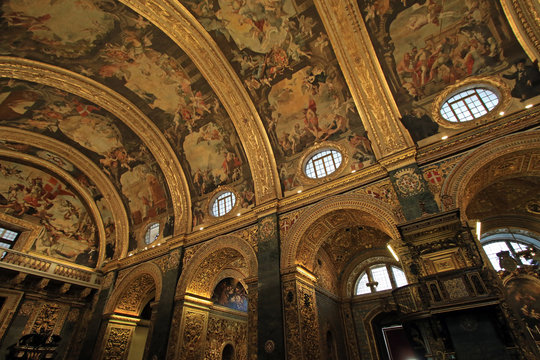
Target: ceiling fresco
x,y
424,46
83,180
30,193
108,142
111,44
281,52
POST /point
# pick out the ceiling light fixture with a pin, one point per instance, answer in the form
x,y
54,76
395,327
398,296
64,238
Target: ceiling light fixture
x,y
501,113
392,252
444,137
528,106
201,228
299,191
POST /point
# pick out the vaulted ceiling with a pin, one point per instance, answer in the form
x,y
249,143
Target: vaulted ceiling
x,y
114,115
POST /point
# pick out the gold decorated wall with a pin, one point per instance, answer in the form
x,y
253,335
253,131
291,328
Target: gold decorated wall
x,y
122,124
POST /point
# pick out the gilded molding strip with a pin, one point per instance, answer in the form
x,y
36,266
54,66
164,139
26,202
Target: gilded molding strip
x,y
110,195
367,83
62,174
124,110
178,23
524,19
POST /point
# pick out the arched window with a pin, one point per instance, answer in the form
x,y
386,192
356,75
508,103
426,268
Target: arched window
x,y
521,248
323,163
380,277
152,233
469,104
223,203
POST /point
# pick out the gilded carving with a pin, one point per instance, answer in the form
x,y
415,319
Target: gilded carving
x,y
222,331
366,81
193,331
130,302
301,320
117,344
133,289
524,18
47,317
26,308
206,261
306,236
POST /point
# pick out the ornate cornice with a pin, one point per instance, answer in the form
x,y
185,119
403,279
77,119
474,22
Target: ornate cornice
x,y
92,171
356,55
479,135
524,18
124,110
62,174
176,21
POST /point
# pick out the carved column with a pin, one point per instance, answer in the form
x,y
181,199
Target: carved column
x,y
117,338
188,331
270,343
160,326
350,331
355,53
94,325
252,317
301,318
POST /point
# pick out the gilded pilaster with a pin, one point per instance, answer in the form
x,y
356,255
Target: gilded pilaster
x,y
366,81
301,318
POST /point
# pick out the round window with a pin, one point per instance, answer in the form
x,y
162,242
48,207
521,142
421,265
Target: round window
x,y
469,104
223,203
152,233
323,163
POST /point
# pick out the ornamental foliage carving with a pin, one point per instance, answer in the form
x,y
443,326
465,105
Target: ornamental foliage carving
x,y
223,331
117,344
193,334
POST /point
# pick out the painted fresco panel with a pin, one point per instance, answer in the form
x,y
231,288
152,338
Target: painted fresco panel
x,y
282,53
230,293
426,45
82,179
106,41
71,232
105,140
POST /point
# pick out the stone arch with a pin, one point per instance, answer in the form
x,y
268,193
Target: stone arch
x,y
511,156
91,170
131,294
379,212
176,21
125,111
205,266
84,195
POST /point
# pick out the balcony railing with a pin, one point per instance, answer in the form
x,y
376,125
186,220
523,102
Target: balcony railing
x,y
441,290
30,264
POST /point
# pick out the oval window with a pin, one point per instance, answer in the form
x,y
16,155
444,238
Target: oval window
x,y
323,163
223,203
152,233
469,104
